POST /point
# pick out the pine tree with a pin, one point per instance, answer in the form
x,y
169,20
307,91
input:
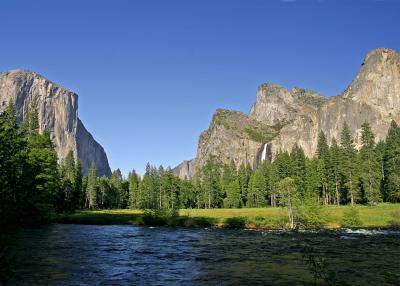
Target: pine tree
x,y
243,179
169,197
133,180
298,162
68,181
391,164
210,178
105,193
13,168
370,173
324,155
257,190
92,186
116,183
272,180
188,194
233,198
314,177
335,166
347,163
79,193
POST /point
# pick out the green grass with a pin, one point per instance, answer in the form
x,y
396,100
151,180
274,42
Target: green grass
x,y
382,216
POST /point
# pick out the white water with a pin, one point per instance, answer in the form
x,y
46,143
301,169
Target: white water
x,y
264,153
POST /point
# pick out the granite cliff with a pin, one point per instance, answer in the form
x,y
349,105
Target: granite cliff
x,y
281,118
57,113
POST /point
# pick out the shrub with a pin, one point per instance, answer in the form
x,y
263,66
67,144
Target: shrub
x,y
235,222
394,219
309,214
351,218
160,217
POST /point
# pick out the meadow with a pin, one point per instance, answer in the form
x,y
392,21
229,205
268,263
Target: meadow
x,y
378,216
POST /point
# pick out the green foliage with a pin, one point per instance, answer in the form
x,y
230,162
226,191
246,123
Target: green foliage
x,y
92,186
232,192
320,268
289,197
32,185
210,178
351,218
257,191
310,213
28,172
370,172
260,134
391,164
395,219
243,126
160,217
235,222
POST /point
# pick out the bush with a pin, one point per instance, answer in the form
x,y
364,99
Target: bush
x,y
394,219
274,222
160,217
235,222
351,218
310,215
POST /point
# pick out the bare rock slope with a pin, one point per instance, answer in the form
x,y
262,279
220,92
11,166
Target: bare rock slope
x,y
58,114
281,118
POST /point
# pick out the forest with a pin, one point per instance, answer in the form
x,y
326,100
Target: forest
x,y
34,185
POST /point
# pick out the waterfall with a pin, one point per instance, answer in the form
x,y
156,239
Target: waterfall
x,y
264,153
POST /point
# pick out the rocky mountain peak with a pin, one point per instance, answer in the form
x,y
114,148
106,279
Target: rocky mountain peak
x,y
58,114
378,75
280,118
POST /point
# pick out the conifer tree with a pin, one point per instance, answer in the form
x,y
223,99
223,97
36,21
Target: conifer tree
x,y
233,198
335,166
257,190
92,186
347,163
298,162
370,173
116,183
133,180
324,155
391,164
243,179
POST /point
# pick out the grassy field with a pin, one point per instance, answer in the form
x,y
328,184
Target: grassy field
x,y
382,216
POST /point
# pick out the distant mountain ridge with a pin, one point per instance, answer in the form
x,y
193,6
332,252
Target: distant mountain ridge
x,y
58,114
281,118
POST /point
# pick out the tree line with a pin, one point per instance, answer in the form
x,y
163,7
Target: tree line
x,y
33,184
338,174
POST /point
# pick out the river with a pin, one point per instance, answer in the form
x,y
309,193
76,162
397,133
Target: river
x,y
130,255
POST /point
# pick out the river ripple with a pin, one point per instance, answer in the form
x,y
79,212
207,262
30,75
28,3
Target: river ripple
x,y
131,255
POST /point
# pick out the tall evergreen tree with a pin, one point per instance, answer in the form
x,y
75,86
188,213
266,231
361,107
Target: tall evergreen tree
x,y
335,166
257,190
92,186
133,179
243,179
370,173
68,181
120,195
323,153
391,164
298,162
211,173
347,163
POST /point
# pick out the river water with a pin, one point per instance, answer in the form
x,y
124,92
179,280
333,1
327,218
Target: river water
x,y
131,255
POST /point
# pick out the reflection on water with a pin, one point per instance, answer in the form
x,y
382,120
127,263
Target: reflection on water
x,y
129,255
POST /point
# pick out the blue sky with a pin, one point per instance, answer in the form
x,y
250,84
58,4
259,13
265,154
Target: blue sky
x,y
149,74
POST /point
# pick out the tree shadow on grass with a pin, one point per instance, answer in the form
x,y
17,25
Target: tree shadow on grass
x,y
235,222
